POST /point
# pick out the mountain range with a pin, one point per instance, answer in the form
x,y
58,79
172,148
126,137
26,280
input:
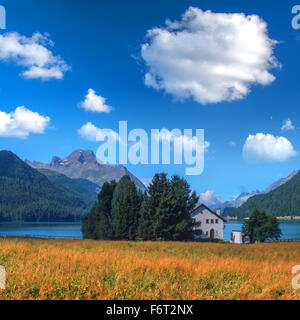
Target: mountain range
x,y
28,195
64,190
283,200
82,164
244,196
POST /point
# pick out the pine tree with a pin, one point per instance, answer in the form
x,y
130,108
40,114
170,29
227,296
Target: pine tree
x,y
103,225
88,224
185,202
165,213
126,211
97,224
260,227
150,204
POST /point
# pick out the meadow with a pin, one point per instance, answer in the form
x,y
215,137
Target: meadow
x,y
85,269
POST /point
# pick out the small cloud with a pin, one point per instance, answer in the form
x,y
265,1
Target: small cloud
x,y
95,103
232,144
287,125
90,132
21,123
210,198
207,145
267,148
33,54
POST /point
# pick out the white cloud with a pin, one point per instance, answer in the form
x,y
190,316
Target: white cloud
x,y
95,103
33,54
210,198
210,57
90,132
232,144
287,125
21,122
267,148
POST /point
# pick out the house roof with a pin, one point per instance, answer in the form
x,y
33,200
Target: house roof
x,y
211,211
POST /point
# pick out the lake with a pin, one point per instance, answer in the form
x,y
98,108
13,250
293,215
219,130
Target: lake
x,y
42,230
290,230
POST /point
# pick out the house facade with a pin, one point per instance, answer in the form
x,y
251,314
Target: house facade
x,y
211,224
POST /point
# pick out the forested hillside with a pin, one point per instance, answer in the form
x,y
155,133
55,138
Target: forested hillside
x,y
283,201
28,195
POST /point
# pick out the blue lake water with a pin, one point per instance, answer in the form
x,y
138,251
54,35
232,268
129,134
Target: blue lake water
x,y
290,230
42,230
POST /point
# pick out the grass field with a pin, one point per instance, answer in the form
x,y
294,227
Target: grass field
x,y
76,269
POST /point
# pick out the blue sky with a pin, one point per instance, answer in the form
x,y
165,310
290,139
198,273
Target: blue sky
x,y
99,42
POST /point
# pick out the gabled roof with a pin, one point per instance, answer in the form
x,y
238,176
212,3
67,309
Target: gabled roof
x,y
211,211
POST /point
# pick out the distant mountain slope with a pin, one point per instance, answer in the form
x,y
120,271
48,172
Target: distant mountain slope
x,y
84,165
243,197
28,195
282,201
90,186
83,188
280,182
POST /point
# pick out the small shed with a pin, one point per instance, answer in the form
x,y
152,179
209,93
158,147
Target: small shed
x,y
237,237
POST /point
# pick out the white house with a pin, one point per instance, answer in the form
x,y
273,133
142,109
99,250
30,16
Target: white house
x,y
211,224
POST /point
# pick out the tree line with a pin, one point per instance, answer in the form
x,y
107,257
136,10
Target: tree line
x,y
122,212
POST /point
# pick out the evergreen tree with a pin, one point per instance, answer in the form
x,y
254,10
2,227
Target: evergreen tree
x,y
103,225
185,201
97,224
150,204
127,205
165,213
119,193
88,224
260,227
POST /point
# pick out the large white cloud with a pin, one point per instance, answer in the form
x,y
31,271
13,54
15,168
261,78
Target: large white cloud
x,y
33,54
209,198
94,103
21,122
267,148
210,57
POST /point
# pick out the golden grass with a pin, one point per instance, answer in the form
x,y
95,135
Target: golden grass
x,y
84,269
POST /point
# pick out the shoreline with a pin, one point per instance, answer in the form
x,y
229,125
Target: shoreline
x,y
280,218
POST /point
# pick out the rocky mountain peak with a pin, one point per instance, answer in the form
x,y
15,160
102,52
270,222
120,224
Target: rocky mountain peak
x,y
82,156
83,164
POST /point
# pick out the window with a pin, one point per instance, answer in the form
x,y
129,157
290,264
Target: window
x,y
217,221
207,221
212,221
